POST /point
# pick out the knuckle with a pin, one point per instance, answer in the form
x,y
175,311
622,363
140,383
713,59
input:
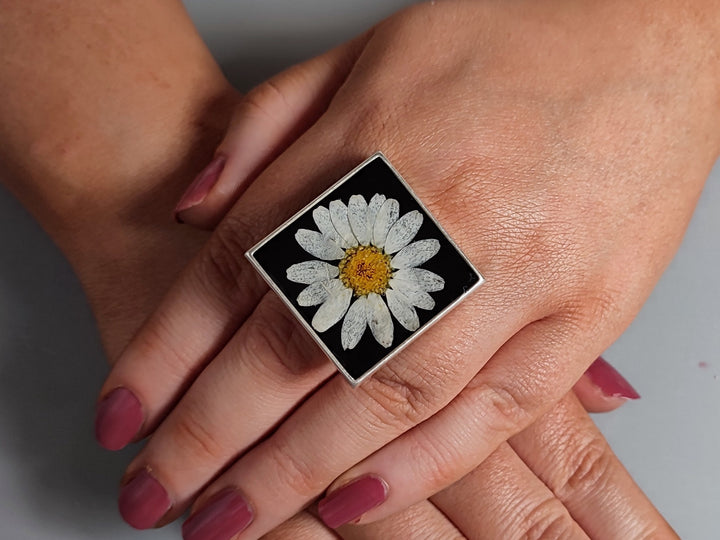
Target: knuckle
x,y
502,410
287,353
155,345
587,310
401,400
294,473
548,520
599,306
191,434
540,246
223,268
373,123
529,238
440,462
266,100
453,196
588,468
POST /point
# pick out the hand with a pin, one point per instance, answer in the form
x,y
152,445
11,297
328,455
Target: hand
x,y
512,164
505,497
558,479
117,258
535,485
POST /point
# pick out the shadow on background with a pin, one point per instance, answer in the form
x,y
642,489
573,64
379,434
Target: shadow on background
x,y
51,368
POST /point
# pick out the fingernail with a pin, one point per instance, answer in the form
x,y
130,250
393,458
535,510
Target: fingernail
x,y
610,382
352,500
118,419
143,501
226,514
201,186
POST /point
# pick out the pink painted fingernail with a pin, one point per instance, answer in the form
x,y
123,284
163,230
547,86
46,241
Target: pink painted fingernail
x,y
610,382
225,515
201,186
143,501
118,419
352,500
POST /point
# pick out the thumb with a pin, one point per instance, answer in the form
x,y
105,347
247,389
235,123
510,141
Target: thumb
x,y
603,389
265,122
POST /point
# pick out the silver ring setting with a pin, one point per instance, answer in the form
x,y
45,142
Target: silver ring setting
x,y
365,268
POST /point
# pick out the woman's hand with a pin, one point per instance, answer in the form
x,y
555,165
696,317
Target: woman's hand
x,y
563,147
120,240
558,479
543,482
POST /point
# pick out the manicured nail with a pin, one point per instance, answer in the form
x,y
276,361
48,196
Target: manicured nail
x,y
352,500
225,515
610,382
118,419
201,186
143,501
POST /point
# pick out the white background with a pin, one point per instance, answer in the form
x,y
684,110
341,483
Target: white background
x,y
55,484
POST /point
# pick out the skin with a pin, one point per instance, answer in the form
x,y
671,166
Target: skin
x,y
569,151
99,162
65,149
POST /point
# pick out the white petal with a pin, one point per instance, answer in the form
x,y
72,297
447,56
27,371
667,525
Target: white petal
x,y
379,320
315,294
319,245
321,215
416,253
414,295
339,217
334,307
311,271
354,324
403,231
386,216
402,310
357,216
374,205
425,279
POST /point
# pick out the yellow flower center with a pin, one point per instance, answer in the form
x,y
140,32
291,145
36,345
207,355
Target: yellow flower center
x,y
365,269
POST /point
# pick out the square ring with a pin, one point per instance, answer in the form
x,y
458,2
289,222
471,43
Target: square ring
x,y
365,268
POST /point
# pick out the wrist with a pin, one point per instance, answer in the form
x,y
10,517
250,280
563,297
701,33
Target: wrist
x,y
139,165
96,116
112,217
108,205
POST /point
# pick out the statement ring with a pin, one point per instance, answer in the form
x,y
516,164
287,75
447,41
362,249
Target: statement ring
x,y
365,268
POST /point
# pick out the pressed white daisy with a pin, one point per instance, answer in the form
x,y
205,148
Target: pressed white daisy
x,y
377,273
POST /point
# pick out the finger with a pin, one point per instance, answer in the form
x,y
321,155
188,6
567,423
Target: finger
x,y
502,498
302,526
265,122
498,402
603,389
269,366
256,380
422,521
569,454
